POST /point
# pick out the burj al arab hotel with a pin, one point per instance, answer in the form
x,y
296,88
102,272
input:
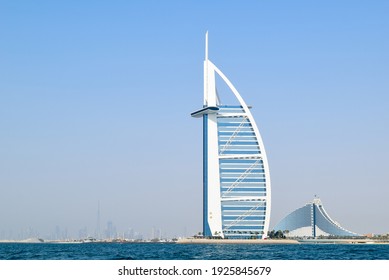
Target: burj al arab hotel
x,y
236,179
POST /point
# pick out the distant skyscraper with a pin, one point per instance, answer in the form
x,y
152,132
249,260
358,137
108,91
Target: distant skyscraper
x,y
130,233
156,233
311,220
236,179
98,233
110,232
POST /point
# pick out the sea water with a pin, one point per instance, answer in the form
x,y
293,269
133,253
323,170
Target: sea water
x,y
164,251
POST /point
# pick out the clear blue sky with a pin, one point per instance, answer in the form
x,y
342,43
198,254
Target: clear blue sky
x,y
95,102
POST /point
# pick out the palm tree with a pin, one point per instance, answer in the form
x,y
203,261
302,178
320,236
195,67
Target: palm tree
x,y
271,234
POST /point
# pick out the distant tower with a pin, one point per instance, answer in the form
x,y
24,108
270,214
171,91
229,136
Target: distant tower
x,y
236,178
98,234
153,233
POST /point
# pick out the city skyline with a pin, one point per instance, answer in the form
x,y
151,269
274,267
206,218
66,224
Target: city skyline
x,y
108,231
94,102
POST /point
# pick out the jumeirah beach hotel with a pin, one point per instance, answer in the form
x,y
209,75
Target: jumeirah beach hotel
x,y
312,221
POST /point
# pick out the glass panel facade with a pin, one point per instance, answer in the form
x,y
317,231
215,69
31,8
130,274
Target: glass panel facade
x,y
242,179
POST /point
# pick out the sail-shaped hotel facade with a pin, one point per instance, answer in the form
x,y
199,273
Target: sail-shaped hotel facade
x,y
236,179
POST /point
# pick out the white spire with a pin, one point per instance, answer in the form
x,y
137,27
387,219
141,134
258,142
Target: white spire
x,y
206,45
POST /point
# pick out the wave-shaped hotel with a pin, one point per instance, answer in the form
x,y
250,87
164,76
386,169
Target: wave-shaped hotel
x,y
236,179
311,220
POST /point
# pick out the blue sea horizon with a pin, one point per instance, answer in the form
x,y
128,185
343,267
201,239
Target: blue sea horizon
x,y
158,251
